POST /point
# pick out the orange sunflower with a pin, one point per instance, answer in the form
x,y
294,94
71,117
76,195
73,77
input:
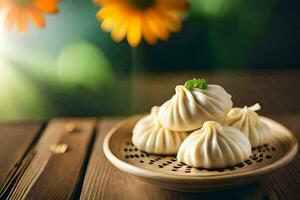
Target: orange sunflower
x,y
19,12
137,19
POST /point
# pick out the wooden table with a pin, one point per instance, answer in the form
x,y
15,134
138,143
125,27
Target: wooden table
x,y
31,169
35,163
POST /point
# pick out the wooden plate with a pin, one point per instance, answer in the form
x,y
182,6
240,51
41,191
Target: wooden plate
x,y
167,172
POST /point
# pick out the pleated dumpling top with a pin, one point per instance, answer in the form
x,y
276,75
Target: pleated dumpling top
x,y
214,146
188,109
150,136
248,121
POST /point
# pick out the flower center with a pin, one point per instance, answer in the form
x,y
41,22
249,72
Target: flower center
x,y
22,2
142,4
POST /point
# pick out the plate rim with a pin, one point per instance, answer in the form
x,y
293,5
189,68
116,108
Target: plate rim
x,y
146,173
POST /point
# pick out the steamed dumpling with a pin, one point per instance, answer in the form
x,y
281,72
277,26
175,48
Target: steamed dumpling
x,y
188,109
150,136
214,146
248,121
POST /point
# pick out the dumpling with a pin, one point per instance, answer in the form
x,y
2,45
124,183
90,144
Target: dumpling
x,y
248,121
188,109
150,136
214,146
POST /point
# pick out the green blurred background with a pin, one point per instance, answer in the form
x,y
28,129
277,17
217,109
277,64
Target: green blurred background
x,y
72,68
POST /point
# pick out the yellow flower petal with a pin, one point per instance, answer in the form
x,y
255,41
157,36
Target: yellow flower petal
x,y
123,17
107,24
171,20
155,24
149,36
37,18
134,34
32,9
107,11
120,30
11,18
47,6
22,22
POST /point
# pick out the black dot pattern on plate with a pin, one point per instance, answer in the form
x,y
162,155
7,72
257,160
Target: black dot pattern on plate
x,y
268,156
259,154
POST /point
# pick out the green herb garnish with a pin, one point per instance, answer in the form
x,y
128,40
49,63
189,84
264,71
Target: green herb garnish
x,y
196,83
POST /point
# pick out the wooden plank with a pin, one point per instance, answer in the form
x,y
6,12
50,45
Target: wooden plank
x,y
96,174
16,139
56,176
103,181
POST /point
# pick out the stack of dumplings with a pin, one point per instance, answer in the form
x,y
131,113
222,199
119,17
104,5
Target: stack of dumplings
x,y
199,125
188,109
150,136
214,146
247,120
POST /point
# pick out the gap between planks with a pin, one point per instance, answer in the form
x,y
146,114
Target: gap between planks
x,y
44,167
